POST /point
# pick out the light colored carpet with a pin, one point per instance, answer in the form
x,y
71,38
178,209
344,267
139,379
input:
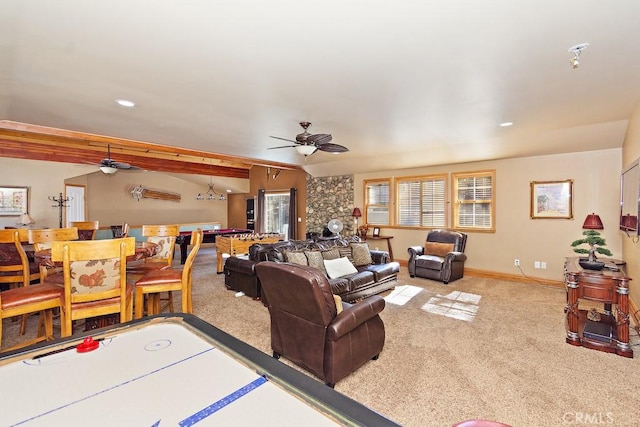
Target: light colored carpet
x,y
502,357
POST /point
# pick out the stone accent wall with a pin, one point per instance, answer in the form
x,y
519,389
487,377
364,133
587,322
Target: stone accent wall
x,y
328,198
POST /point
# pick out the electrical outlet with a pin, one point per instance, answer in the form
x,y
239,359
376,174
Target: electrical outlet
x,y
536,264
516,262
543,264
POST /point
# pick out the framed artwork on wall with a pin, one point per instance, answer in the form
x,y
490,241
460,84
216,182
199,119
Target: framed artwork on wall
x,y
14,201
552,199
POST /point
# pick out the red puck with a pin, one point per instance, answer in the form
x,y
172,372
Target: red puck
x,y
87,345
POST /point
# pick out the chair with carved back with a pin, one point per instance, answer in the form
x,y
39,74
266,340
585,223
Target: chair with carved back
x,y
25,299
86,229
95,279
42,240
153,283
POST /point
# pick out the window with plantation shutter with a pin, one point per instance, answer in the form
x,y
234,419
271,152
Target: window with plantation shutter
x,y
377,202
421,201
474,200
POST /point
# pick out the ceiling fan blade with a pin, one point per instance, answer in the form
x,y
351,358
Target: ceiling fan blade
x,y
320,138
120,165
282,146
124,166
284,139
332,148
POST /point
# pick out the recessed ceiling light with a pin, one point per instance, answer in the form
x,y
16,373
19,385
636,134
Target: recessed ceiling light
x,y
125,103
506,124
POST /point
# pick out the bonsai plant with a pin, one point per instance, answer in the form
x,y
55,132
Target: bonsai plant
x,y
596,243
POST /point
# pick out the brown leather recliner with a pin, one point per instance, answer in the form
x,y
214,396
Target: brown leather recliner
x,y
441,258
305,326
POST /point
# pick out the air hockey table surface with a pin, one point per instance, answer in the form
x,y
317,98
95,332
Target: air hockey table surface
x,y
165,370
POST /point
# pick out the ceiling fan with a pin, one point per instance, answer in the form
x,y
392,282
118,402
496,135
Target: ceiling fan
x,y
110,166
307,144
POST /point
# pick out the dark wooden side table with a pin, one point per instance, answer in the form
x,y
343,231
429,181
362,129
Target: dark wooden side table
x,y
387,238
609,333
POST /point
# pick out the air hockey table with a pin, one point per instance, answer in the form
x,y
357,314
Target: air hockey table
x,y
165,370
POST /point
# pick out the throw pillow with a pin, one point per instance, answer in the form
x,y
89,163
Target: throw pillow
x,y
315,260
361,254
338,301
339,267
331,254
438,249
295,257
346,252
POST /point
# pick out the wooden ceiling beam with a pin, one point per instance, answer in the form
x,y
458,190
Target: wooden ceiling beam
x,y
25,141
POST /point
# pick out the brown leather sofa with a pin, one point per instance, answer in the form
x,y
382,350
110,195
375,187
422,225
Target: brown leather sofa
x,y
307,329
441,258
372,278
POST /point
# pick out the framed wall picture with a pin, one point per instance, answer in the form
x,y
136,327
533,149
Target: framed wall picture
x,y
14,201
552,199
376,231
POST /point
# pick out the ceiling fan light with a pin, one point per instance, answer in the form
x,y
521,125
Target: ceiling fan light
x,y
108,170
306,150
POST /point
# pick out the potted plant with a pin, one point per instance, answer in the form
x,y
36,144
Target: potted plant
x,y
596,243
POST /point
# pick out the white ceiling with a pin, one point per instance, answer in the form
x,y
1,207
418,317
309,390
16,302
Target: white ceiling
x,y
402,84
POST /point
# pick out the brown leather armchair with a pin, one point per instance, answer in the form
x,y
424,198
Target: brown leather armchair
x,y
307,329
441,258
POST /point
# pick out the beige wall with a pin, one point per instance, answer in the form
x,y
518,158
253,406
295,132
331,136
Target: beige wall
x,y
109,200
44,179
631,250
108,196
596,176
259,179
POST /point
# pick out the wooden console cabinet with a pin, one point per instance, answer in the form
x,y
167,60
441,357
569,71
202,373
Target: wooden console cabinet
x,y
611,288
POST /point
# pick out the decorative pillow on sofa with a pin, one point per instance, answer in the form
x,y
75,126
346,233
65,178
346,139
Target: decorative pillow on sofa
x,y
346,252
339,267
296,257
315,260
438,249
361,254
331,254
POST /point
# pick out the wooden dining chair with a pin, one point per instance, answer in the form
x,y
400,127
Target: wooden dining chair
x,y
165,237
34,266
14,265
41,240
27,298
86,229
119,231
153,283
95,279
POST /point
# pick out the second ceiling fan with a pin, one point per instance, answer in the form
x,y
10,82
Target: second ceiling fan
x,y
307,143
109,166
